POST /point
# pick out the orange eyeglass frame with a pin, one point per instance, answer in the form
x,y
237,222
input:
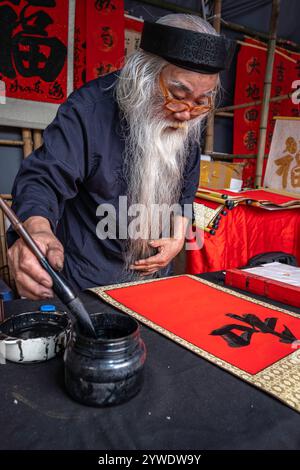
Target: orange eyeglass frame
x,y
183,105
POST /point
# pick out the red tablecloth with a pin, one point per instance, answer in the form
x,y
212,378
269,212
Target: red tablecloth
x,y
245,232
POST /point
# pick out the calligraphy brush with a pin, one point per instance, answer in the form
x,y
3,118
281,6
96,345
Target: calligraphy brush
x,y
60,286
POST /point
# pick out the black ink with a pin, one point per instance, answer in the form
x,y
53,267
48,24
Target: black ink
x,y
251,114
15,86
255,326
298,68
104,69
105,5
56,91
280,72
250,140
106,36
252,91
254,66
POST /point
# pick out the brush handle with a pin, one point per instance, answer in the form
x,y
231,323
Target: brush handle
x,y
60,285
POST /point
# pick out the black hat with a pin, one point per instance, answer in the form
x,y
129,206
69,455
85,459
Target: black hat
x,y
199,52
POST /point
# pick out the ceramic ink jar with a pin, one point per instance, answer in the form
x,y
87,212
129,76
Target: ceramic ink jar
x,y
34,336
106,370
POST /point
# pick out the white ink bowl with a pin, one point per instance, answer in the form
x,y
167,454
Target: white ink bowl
x,y
34,336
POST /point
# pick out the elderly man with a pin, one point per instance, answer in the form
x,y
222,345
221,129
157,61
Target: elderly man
x,y
134,133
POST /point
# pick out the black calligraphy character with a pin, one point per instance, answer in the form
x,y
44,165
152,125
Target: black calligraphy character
x,y
8,19
34,3
298,68
280,72
104,69
252,91
278,90
250,140
251,114
105,5
56,91
253,66
14,2
42,3
30,52
275,109
107,37
253,325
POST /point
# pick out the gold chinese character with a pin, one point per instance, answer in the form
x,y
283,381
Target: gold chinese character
x,y
295,174
284,166
291,145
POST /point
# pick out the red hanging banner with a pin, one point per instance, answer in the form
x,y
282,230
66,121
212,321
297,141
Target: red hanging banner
x,y
33,49
105,41
250,77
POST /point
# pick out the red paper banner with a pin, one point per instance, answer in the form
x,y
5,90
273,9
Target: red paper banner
x,y
105,37
33,49
250,77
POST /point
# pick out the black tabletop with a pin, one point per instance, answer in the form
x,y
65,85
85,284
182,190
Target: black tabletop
x,y
185,403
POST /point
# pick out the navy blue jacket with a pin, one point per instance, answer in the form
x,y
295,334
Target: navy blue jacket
x,y
79,167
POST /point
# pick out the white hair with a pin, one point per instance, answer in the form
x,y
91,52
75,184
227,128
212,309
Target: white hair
x,y
191,22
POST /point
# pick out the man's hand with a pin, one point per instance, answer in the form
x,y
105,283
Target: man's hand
x,y
32,280
168,248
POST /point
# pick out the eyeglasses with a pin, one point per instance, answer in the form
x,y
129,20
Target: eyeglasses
x,y
177,106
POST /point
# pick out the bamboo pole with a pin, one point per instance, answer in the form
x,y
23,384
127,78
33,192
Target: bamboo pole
x,y
13,143
267,91
203,9
224,114
251,103
209,139
264,48
37,138
258,34
28,144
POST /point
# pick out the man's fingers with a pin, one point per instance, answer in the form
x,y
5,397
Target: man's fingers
x,y
145,267
158,243
29,265
55,255
32,280
158,259
28,287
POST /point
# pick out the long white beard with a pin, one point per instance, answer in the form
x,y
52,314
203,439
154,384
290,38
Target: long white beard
x,y
155,159
156,151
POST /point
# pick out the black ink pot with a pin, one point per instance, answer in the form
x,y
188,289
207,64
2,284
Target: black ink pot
x,y
106,370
